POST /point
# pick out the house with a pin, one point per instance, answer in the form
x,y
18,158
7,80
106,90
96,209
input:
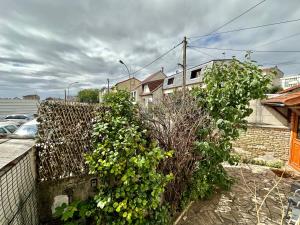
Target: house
x,y
31,97
127,85
290,81
276,75
150,89
288,103
194,77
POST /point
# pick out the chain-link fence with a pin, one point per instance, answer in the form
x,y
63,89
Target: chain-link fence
x,y
65,131
18,192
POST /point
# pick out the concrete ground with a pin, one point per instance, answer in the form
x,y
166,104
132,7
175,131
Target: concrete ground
x,y
241,203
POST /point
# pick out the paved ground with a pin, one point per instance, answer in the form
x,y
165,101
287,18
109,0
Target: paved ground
x,y
238,206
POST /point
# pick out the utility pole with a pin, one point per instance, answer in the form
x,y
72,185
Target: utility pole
x,y
65,96
184,65
107,85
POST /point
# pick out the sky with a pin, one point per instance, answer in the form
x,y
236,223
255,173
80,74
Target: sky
x,y
47,45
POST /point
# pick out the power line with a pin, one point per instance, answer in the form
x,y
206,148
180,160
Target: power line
x,y
204,53
161,56
247,28
243,50
281,39
282,63
235,18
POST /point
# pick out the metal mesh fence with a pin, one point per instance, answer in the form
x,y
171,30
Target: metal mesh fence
x,y
18,193
64,135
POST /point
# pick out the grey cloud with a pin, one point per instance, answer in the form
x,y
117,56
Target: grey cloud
x,y
58,42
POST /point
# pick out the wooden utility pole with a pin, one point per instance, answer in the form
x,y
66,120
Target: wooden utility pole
x,y
184,65
65,95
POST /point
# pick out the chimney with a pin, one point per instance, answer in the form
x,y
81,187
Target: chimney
x,y
162,69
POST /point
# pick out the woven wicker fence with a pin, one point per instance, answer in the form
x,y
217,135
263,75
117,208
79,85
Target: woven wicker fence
x,y
64,135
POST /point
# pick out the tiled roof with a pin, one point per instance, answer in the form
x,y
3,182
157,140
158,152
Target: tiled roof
x,y
151,76
153,85
290,89
290,99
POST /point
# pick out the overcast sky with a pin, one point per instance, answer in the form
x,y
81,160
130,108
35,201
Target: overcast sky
x,y
45,45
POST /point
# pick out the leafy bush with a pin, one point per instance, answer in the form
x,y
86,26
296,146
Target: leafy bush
x,y
274,89
229,88
77,213
89,95
126,161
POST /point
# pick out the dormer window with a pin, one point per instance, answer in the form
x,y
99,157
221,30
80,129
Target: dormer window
x,y
195,73
170,81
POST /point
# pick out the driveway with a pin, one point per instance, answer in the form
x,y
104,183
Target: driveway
x,y
241,203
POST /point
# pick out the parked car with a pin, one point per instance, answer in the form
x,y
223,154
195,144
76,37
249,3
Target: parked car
x,y
7,128
20,118
27,130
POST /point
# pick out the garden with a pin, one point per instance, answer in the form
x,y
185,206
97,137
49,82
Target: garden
x,y
152,163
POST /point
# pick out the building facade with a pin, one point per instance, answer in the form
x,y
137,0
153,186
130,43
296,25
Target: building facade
x,y
149,90
194,77
290,81
127,85
276,75
31,97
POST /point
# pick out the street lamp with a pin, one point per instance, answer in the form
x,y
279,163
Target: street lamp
x,y
120,61
68,88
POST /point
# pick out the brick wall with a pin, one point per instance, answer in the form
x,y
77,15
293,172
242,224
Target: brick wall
x,y
264,142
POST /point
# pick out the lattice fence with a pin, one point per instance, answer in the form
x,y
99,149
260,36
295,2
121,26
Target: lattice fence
x,y
18,202
64,135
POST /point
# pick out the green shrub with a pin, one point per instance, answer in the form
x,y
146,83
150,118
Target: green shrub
x,y
229,89
125,160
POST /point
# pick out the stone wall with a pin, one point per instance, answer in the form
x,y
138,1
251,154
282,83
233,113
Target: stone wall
x,y
52,194
264,142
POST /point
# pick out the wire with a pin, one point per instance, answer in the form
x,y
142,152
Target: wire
x,y
282,63
247,28
281,39
235,18
161,56
204,53
243,50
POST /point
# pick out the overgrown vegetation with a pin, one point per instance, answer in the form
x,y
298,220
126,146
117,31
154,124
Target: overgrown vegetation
x,y
132,151
201,125
272,163
125,160
89,95
229,88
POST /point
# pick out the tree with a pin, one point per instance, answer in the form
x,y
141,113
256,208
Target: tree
x,y
89,95
229,89
201,125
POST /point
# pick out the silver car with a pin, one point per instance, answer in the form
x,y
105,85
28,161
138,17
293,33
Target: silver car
x,y
7,128
19,118
27,130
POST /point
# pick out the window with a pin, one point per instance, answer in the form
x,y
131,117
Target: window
x,y
10,128
2,131
170,81
133,95
16,117
195,73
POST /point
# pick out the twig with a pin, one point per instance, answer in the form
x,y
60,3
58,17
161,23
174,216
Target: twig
x,y
184,211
